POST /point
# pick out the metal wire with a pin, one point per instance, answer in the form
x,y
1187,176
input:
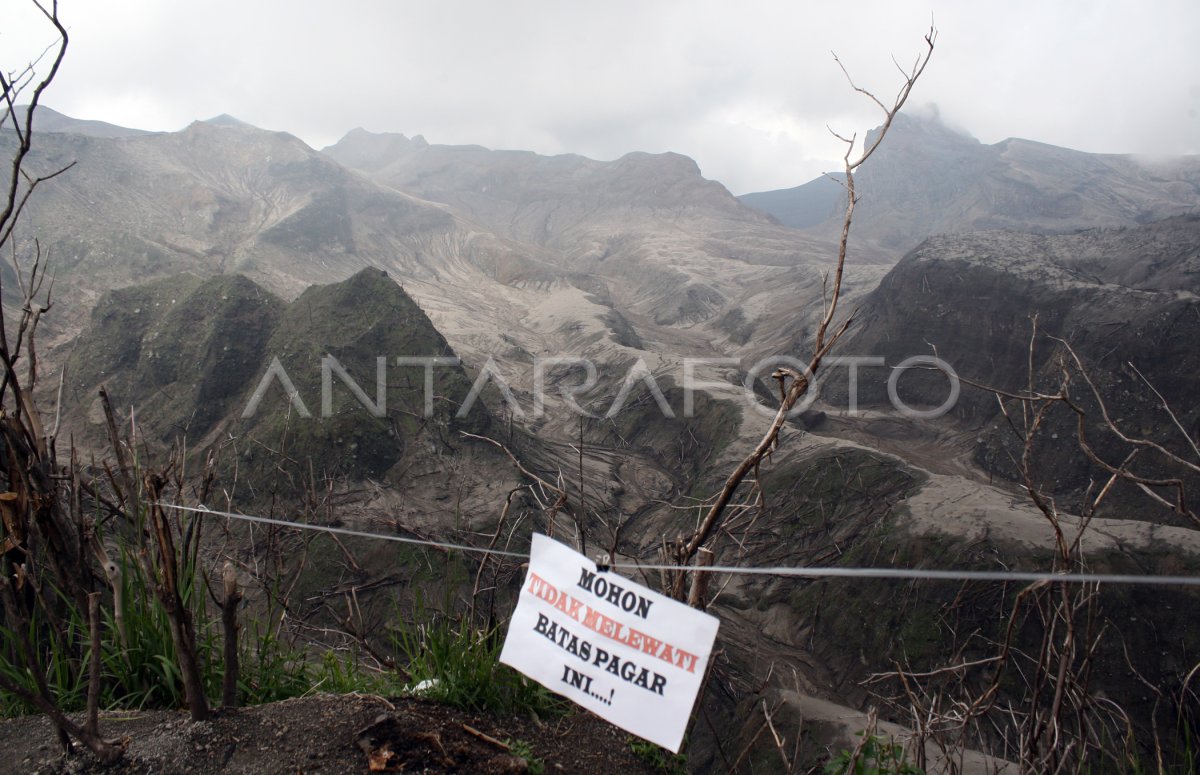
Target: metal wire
x,y
776,570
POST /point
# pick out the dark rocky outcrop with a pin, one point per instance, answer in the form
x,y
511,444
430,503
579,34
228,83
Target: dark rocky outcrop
x,y
972,300
188,355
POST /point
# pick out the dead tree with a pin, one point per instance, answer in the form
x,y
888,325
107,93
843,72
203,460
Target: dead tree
x,y
169,567
46,544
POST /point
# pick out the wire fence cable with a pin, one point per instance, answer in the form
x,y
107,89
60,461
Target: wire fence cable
x,y
773,570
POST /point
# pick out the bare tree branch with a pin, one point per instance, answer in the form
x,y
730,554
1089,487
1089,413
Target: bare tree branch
x,y
684,552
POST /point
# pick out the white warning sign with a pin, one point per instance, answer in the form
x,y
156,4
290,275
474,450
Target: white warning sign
x,y
625,652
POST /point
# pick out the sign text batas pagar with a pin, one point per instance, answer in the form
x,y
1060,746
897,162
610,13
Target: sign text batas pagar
x,y
623,651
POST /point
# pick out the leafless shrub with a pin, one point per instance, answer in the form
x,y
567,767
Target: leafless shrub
x,y
47,542
1034,703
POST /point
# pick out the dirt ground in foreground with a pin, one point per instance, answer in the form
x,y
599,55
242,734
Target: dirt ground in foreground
x,y
331,734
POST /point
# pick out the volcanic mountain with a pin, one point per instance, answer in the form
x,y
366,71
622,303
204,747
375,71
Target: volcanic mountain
x,y
188,262
931,179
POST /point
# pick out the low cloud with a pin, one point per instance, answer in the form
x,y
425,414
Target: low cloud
x,y
746,92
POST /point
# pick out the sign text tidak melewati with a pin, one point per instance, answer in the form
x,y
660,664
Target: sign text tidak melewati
x,y
625,652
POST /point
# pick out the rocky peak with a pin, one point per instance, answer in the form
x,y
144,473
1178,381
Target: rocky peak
x,y
370,151
929,178
227,120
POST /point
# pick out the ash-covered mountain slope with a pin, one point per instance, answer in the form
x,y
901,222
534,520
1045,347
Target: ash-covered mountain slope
x,y
221,198
224,198
1124,299
645,233
930,179
592,213
525,255
539,198
209,365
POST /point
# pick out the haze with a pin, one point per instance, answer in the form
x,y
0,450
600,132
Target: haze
x,y
747,92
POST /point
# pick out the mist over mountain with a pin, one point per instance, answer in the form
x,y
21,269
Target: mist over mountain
x,y
46,120
930,179
220,197
543,198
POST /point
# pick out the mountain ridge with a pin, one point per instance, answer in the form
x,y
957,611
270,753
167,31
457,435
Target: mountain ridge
x,y
928,178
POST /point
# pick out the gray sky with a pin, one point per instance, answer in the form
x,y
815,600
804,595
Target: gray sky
x,y
744,89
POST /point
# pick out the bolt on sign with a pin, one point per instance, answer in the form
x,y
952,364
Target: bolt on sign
x,y
632,656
